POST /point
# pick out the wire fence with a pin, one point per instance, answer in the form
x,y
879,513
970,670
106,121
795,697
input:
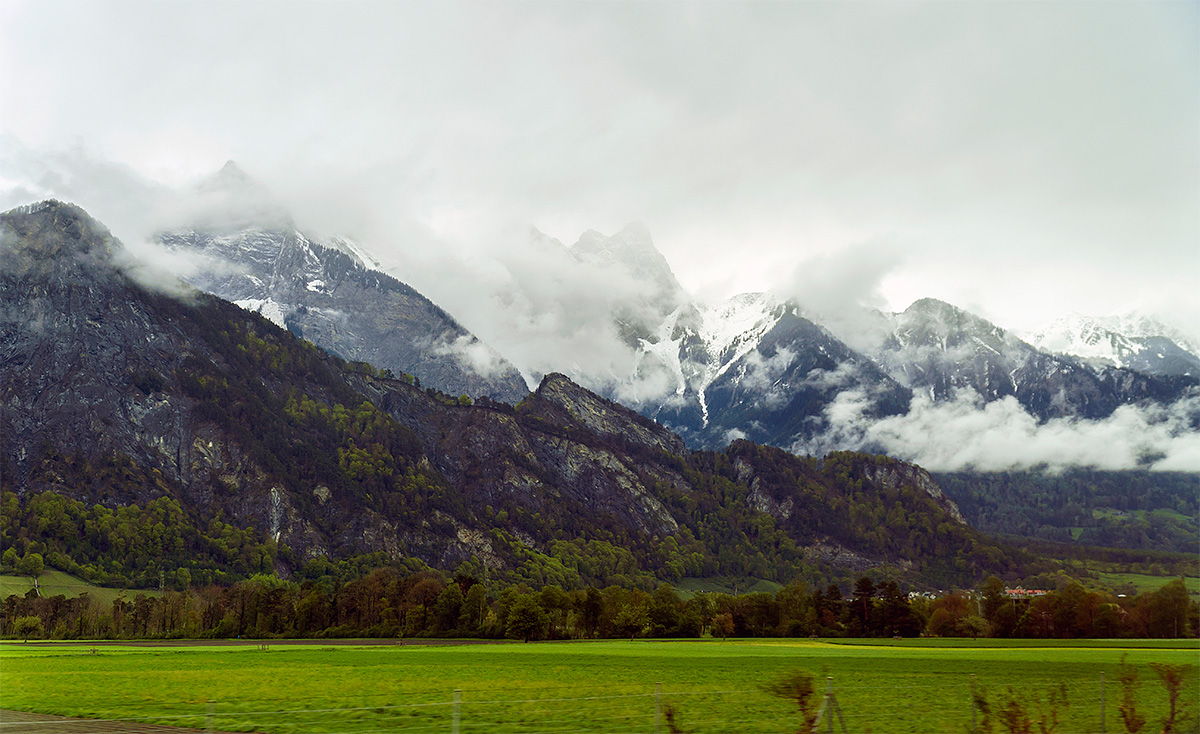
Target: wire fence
x,y
1089,707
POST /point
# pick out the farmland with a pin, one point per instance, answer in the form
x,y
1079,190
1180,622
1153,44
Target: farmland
x,y
885,686
53,582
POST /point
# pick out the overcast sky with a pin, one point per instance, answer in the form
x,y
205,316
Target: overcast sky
x,y
1020,160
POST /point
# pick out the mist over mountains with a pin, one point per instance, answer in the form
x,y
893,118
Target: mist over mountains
x,y
933,384
117,394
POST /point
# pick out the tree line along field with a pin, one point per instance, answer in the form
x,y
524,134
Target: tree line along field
x,y
604,686
386,603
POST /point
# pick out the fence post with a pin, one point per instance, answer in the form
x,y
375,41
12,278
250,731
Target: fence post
x,y
658,708
973,705
208,718
454,721
1102,728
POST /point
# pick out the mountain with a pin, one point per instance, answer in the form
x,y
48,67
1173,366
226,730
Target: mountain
x,y
939,349
659,298
760,370
116,392
1137,324
1137,343
765,369
751,367
633,249
246,249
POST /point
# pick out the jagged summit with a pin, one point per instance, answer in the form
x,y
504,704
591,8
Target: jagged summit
x,y
561,401
231,199
632,248
231,176
335,298
932,322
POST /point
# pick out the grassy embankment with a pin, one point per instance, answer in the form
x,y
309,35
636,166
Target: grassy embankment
x,y
884,686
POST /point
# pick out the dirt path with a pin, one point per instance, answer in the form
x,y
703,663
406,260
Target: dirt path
x,y
23,722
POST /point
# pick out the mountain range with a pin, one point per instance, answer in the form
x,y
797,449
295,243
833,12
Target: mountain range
x,y
1139,343
755,366
247,249
119,391
763,368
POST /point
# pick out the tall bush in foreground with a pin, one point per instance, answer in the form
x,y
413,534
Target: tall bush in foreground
x,y
1130,717
797,686
1172,677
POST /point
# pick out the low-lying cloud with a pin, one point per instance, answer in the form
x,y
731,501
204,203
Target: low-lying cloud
x,y
966,433
472,354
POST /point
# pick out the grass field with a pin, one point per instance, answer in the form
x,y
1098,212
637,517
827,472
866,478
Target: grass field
x,y
1145,582
54,582
609,686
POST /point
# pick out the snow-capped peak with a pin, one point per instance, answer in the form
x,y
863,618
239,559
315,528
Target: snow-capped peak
x,y
737,324
1082,336
1136,324
1133,341
730,331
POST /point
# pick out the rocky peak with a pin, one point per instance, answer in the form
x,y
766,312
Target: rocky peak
x,y
230,200
53,236
559,400
231,176
632,248
896,474
930,322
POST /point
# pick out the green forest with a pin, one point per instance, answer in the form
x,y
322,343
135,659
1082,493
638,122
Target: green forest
x,y
1125,509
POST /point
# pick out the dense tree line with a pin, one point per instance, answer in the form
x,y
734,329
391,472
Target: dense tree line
x,y
399,601
157,544
1119,509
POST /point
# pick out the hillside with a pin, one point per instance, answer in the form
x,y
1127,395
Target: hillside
x,y
115,394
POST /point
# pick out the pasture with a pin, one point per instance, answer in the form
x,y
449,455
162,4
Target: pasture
x,y
607,686
53,582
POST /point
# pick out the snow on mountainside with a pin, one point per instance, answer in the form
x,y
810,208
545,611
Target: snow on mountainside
x,y
1133,341
244,248
335,301
753,367
940,350
1135,324
729,332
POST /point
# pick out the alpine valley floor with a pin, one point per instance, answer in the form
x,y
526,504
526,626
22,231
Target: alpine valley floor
x,y
611,686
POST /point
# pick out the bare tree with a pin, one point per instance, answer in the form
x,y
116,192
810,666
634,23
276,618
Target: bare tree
x,y
1129,684
797,686
1172,677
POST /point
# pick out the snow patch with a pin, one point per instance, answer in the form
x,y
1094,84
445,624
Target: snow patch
x,y
356,251
267,307
730,331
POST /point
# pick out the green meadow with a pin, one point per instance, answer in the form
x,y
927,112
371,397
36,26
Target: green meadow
x,y
1146,582
608,686
53,582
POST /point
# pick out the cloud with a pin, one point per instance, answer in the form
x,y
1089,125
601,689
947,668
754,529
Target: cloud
x,y
472,354
530,298
843,290
966,433
987,139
